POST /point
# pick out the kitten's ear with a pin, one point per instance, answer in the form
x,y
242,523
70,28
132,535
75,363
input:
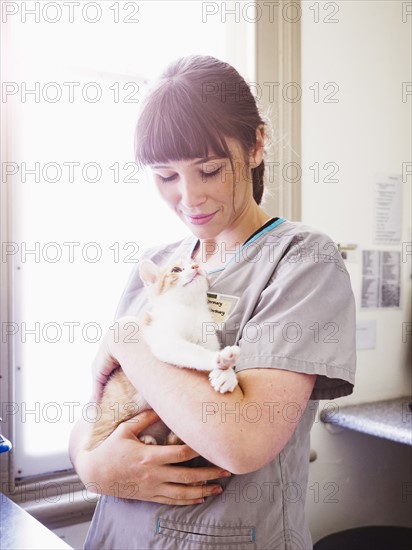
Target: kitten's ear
x,y
149,272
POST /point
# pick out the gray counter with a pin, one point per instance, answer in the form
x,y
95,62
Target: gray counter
x,y
390,419
20,531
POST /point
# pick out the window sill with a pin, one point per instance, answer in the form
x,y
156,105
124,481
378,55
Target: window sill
x,y
55,500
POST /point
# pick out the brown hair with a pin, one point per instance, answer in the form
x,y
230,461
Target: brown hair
x,y
196,105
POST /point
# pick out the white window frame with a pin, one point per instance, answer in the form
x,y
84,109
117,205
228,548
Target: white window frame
x,y
278,66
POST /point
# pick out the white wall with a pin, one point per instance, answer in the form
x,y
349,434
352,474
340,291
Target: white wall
x,y
367,132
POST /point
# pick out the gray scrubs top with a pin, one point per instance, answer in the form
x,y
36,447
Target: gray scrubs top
x,y
294,310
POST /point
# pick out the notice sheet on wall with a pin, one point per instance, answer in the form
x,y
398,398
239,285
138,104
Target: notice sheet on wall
x,y
388,209
380,278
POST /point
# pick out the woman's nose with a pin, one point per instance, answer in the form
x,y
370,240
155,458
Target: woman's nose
x,y
191,194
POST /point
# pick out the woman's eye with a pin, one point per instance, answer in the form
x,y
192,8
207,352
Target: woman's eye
x,y
176,269
207,175
166,179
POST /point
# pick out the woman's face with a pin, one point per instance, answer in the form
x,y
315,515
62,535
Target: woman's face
x,y
206,194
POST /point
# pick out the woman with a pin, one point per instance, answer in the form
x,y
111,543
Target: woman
x,y
285,299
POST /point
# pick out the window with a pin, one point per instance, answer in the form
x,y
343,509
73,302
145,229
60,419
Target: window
x,y
79,211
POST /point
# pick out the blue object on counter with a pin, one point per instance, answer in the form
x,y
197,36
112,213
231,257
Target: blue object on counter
x,y
5,444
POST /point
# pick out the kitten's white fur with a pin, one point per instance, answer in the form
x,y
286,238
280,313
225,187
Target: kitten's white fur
x,y
179,330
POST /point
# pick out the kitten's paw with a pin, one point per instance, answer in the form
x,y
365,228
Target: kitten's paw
x,y
148,440
173,439
223,380
228,357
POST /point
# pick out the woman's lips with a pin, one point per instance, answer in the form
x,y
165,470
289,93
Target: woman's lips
x,y
200,219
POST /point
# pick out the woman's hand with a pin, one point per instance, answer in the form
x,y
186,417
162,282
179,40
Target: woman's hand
x,y
103,365
124,467
124,332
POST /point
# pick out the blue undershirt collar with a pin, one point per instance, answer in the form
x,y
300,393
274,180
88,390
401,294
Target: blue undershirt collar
x,y
265,229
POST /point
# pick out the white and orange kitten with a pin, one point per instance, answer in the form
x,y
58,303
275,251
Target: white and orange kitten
x,y
179,330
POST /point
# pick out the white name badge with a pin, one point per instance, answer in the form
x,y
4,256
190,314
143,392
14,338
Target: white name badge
x,y
221,306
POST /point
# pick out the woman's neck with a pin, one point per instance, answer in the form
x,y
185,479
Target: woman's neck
x,y
215,253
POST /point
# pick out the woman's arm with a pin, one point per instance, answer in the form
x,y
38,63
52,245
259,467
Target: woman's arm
x,y
124,467
239,431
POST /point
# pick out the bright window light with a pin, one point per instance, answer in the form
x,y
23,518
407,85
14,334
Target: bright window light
x,y
82,213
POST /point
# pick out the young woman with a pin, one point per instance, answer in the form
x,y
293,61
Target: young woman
x,y
286,300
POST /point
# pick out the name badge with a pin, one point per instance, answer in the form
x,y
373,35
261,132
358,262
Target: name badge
x,y
221,306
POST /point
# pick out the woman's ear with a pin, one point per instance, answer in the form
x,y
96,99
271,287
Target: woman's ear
x,y
256,156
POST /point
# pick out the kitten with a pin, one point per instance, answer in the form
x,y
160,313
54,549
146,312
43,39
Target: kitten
x,y
179,330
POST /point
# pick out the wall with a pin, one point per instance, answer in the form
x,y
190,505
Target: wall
x,y
366,53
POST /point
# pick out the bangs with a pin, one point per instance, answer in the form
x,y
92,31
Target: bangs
x,y
176,125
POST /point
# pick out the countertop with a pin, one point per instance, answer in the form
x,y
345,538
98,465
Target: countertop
x,y
390,419
20,531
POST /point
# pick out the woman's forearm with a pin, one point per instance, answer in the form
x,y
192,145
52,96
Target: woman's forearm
x,y
214,424
182,398
79,437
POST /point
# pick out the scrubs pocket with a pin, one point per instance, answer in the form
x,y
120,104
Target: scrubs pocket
x,y
197,535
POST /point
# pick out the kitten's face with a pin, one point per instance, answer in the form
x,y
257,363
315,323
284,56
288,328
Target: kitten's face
x,y
184,277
